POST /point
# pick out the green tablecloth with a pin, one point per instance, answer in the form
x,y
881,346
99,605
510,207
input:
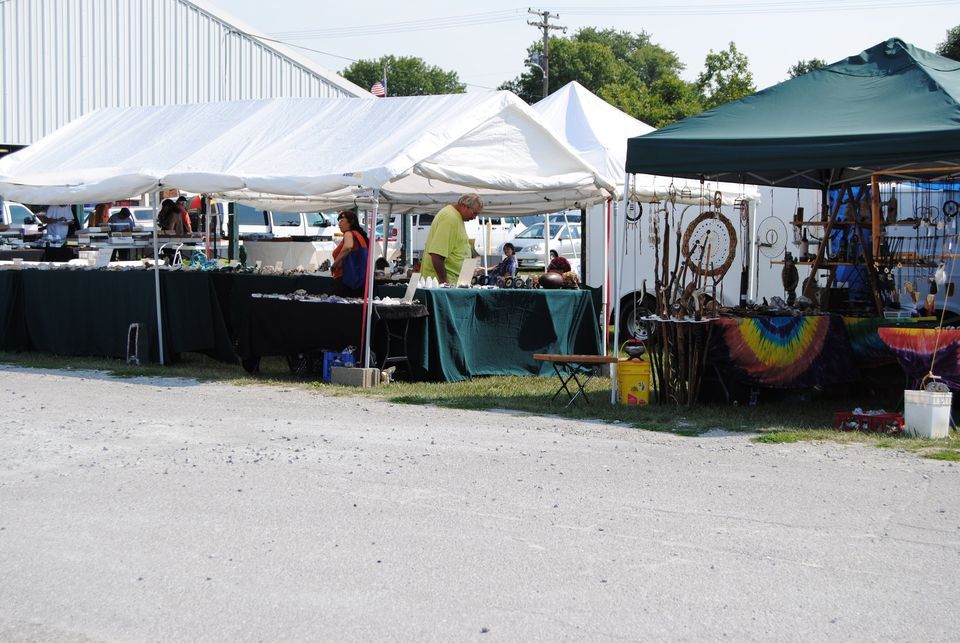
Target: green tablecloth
x,y
73,312
70,312
496,332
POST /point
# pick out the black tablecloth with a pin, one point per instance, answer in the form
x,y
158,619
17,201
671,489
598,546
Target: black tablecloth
x,y
286,327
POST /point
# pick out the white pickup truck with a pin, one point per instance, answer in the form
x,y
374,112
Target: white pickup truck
x,y
18,216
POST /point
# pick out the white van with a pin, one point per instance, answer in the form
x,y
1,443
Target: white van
x,y
266,224
488,233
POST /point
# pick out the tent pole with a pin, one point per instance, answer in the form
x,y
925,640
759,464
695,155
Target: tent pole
x,y
754,250
618,271
368,288
546,240
156,272
605,286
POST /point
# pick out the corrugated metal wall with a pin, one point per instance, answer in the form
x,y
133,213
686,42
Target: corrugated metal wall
x,y
60,59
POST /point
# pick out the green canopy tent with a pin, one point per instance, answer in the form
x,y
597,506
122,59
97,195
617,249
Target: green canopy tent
x,y
890,108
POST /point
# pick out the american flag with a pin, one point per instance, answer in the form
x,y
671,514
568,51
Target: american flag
x,y
379,89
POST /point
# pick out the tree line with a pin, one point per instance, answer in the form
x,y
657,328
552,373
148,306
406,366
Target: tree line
x,y
626,69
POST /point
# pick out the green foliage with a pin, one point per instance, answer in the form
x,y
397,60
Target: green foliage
x,y
406,76
726,77
627,70
806,66
951,46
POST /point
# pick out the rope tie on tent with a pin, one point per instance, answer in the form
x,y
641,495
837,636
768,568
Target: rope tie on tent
x,y
936,344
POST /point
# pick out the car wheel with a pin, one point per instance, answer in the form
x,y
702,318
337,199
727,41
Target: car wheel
x,y
632,325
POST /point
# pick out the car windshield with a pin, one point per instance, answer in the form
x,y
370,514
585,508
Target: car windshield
x,y
20,214
320,219
536,231
286,219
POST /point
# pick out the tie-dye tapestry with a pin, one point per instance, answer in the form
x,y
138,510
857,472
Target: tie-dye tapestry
x,y
868,349
914,349
783,352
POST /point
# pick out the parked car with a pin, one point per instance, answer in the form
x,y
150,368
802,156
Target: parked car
x,y
530,244
142,215
18,216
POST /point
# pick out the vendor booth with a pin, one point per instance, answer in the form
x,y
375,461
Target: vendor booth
x,y
886,115
395,154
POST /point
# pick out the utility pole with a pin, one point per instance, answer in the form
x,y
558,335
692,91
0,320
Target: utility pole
x,y
544,25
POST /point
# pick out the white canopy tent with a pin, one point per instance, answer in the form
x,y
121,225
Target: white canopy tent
x,y
317,152
312,153
599,132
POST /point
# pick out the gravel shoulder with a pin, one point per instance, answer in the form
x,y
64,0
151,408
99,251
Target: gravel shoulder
x,y
136,509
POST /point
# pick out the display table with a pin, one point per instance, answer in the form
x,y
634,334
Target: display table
x,y
280,326
496,332
469,332
922,350
290,253
782,352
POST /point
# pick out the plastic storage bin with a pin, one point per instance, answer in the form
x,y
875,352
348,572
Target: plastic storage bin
x,y
927,414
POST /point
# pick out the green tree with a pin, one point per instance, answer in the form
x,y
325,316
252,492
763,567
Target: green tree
x,y
627,70
806,66
406,76
726,77
951,46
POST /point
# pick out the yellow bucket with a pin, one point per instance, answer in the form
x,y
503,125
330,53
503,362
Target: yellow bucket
x,y
633,382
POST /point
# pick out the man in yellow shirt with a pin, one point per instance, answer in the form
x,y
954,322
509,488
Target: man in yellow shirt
x,y
447,243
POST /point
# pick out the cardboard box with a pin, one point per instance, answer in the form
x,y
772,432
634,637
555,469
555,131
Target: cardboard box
x,y
357,376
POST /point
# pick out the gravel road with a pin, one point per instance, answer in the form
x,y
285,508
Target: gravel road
x,y
170,510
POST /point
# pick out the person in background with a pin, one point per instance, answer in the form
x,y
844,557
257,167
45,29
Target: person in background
x,y
170,220
447,242
100,216
558,263
122,220
184,215
507,267
59,220
353,237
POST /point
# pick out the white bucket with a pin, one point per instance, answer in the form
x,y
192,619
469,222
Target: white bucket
x,y
927,414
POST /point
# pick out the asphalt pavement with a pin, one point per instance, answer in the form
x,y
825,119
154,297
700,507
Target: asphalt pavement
x,y
151,509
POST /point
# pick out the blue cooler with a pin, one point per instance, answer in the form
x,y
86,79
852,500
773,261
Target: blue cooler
x,y
333,358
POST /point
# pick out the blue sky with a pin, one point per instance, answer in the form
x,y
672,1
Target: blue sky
x,y
485,43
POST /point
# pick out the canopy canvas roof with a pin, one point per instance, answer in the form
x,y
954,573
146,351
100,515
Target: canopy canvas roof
x,y
598,131
892,107
312,153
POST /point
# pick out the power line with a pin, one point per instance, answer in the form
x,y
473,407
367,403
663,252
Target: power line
x,y
760,8
426,24
643,9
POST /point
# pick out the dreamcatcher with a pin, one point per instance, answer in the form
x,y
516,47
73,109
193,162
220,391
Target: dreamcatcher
x,y
632,226
772,237
714,234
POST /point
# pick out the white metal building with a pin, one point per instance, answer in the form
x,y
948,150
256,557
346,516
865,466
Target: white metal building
x,y
60,59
